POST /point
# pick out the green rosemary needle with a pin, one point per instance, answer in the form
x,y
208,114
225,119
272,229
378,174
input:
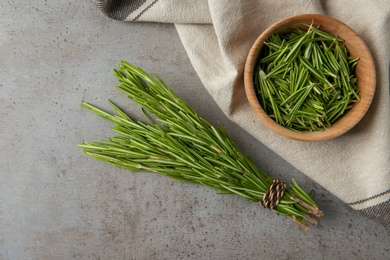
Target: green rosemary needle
x,y
178,143
305,79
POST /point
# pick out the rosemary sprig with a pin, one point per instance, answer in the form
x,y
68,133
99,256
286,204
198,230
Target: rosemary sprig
x,y
178,143
305,79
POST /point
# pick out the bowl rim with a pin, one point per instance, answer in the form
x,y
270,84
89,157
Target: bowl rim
x,y
343,124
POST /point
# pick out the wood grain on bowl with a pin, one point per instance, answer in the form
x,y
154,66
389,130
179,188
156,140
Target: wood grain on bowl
x,y
364,71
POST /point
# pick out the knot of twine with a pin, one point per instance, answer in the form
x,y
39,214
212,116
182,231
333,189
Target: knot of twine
x,y
274,194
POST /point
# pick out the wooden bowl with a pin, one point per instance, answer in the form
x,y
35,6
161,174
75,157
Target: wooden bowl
x,y
365,73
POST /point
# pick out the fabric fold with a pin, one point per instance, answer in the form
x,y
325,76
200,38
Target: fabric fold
x,y
218,35
162,11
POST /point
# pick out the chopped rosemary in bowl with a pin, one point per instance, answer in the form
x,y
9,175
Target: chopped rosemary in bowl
x,y
302,81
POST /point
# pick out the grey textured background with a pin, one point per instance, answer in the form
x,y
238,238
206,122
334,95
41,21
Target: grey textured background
x,y
56,203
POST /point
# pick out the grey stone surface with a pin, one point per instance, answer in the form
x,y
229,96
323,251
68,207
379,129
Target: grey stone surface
x,y
56,203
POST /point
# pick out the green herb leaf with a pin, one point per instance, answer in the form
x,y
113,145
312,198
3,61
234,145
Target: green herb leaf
x,y
183,145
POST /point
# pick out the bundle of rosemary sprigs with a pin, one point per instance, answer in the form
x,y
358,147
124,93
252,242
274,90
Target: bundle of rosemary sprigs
x,y
305,79
178,143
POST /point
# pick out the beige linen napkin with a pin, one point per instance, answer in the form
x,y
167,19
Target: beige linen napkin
x,y
217,36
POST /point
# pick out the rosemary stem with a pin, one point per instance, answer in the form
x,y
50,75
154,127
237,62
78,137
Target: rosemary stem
x,y
184,146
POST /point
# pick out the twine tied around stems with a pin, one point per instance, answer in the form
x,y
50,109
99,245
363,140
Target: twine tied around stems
x,y
274,194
